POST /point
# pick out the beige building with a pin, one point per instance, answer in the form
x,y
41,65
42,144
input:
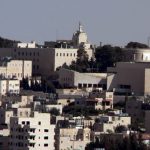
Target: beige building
x,y
129,78
9,86
32,133
70,78
5,116
109,123
73,138
18,69
46,60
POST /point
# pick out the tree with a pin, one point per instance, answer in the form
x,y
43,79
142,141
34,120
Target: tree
x,y
6,43
107,56
136,45
128,143
25,83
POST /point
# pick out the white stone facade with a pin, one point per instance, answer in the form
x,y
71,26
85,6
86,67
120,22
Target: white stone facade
x,y
11,86
25,45
70,78
47,60
32,133
18,69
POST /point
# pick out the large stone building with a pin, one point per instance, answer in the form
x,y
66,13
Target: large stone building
x,y
18,69
46,60
70,78
129,78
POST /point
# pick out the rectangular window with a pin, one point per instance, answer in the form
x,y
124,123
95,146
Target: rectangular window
x,y
45,137
45,145
45,130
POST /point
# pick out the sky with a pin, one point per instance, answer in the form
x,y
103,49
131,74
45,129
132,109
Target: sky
x,y
115,22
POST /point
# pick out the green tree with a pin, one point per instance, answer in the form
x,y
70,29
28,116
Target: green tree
x,y
136,45
107,56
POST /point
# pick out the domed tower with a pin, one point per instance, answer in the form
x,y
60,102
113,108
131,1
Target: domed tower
x,y
79,37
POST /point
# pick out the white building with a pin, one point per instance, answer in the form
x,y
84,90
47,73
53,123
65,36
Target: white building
x,y
73,138
25,45
5,116
47,60
9,86
70,78
32,133
18,69
109,123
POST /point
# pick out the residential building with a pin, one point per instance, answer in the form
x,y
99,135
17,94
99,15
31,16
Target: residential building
x,y
18,69
108,123
32,133
5,116
73,138
9,86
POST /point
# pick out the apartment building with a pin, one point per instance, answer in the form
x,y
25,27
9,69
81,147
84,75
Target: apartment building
x,y
18,69
9,86
32,133
109,123
73,138
5,116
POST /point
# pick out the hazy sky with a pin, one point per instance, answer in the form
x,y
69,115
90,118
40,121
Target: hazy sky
x,y
110,21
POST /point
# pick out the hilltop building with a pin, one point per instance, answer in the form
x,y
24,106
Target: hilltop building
x,y
46,60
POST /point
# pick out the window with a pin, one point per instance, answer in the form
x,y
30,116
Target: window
x,y
45,145
39,123
28,123
23,122
60,54
45,137
45,130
